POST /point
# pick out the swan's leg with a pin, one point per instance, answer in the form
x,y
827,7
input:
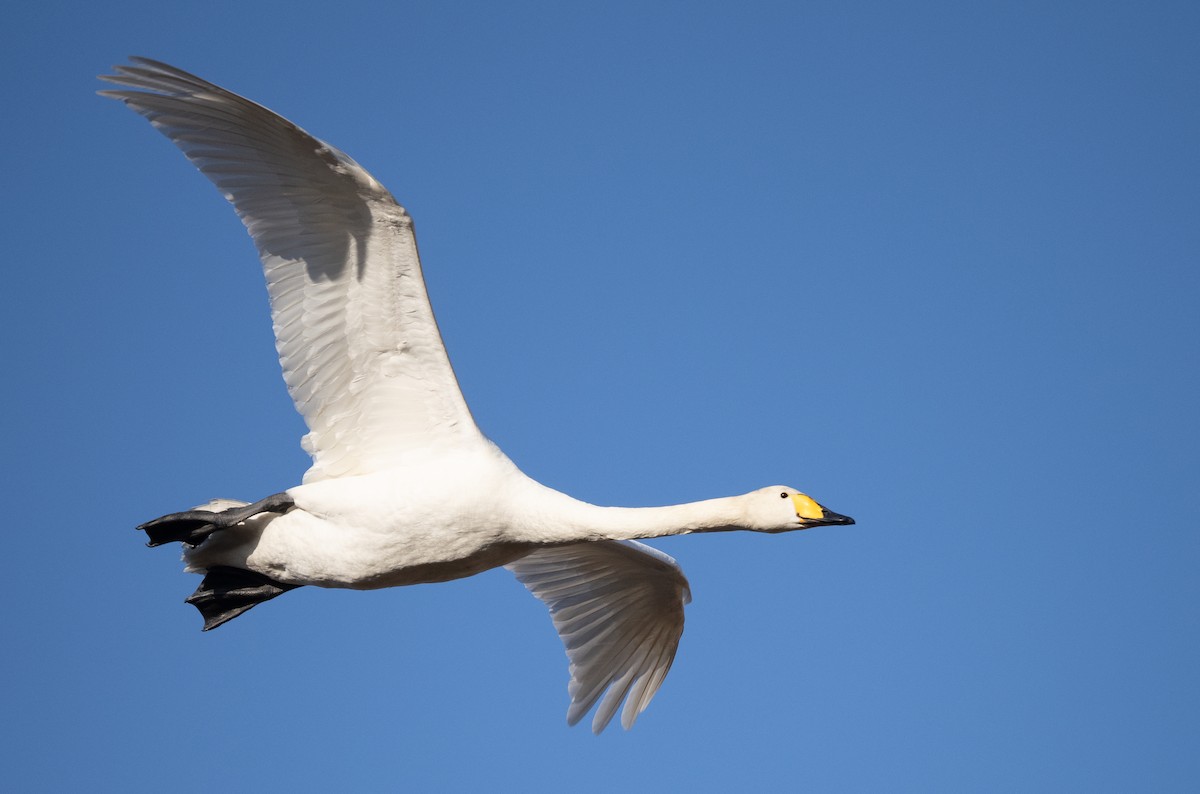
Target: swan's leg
x,y
227,592
193,526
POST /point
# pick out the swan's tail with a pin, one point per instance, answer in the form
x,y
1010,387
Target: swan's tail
x,y
227,592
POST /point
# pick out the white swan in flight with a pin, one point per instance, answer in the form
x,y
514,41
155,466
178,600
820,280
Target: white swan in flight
x,y
404,488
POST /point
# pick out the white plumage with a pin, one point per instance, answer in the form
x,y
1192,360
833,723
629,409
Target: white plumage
x,y
404,488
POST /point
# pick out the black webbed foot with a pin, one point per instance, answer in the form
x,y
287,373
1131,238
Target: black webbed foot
x,y
193,526
226,593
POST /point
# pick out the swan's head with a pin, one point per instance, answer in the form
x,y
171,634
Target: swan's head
x,y
783,509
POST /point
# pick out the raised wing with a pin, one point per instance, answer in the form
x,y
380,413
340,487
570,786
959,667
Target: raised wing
x,y
361,353
618,607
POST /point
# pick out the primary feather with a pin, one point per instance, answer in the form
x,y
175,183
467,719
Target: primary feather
x,y
353,326
618,607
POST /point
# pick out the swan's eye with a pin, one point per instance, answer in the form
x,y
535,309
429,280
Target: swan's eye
x,y
783,495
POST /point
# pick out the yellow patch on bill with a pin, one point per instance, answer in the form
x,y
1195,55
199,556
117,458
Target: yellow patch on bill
x,y
807,508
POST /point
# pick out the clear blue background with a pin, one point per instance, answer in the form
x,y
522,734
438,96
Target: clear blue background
x,y
935,263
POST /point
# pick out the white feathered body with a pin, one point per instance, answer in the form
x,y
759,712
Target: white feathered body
x,y
443,518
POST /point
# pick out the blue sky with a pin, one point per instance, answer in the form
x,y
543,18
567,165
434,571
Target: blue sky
x,y
935,264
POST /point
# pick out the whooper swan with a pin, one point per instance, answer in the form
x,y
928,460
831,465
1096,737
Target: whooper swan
x,y
404,488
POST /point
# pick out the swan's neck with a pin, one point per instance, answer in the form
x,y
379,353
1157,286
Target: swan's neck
x,y
572,520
